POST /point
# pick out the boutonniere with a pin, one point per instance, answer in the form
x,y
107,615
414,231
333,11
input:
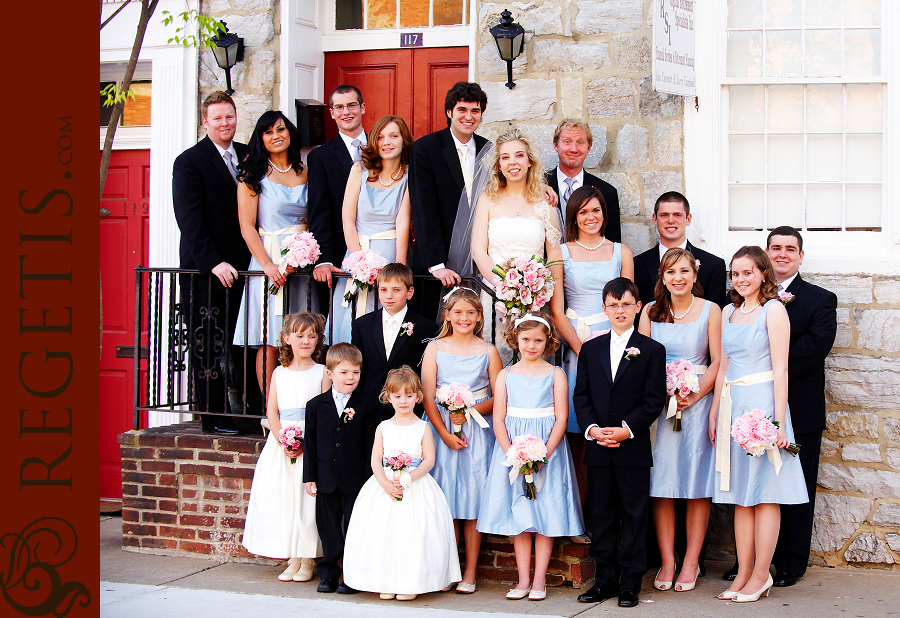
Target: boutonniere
x,y
698,264
407,329
631,353
348,415
786,298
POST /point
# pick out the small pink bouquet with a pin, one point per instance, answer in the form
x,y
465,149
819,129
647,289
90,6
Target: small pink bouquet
x,y
397,461
299,250
680,380
523,456
522,285
456,397
363,267
756,434
291,438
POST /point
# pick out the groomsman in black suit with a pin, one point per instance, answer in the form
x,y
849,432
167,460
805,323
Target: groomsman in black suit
x,y
441,167
619,391
812,311
328,170
204,198
572,142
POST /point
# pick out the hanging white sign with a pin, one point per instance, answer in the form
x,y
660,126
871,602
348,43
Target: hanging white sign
x,y
673,47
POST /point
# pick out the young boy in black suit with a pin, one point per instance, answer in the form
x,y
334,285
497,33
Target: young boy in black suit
x,y
619,391
391,337
337,447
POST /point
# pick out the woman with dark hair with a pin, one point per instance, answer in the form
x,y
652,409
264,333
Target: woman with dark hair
x,y
376,211
690,328
272,204
753,375
584,265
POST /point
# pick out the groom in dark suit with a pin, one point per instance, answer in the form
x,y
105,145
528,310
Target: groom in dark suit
x,y
619,391
573,141
204,197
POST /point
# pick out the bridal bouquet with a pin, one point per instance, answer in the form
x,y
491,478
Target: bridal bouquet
x,y
397,461
457,397
680,380
523,456
291,438
756,434
522,285
299,250
363,267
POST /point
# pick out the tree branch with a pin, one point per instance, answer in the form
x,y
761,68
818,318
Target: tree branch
x,y
118,10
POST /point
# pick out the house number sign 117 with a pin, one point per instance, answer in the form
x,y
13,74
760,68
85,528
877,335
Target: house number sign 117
x,y
411,39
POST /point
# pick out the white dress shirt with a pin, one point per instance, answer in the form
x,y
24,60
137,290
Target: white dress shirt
x,y
471,154
340,400
617,345
390,325
663,248
348,141
784,285
230,151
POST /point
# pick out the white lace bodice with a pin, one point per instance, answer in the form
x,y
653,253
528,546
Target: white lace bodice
x,y
521,236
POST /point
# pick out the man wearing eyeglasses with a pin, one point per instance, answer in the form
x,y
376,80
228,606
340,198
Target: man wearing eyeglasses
x,y
329,168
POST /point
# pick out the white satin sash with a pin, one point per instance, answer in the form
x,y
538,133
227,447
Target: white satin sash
x,y
723,426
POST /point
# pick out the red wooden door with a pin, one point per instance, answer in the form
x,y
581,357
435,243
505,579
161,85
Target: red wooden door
x,y
124,240
410,83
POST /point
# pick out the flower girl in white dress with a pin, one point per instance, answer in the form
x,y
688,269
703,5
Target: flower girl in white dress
x,y
400,541
281,517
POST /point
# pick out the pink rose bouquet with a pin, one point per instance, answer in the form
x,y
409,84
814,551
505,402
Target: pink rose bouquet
x,y
523,456
522,285
299,250
363,267
756,434
680,380
456,397
291,438
397,461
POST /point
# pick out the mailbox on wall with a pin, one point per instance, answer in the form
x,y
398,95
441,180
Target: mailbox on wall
x,y
310,121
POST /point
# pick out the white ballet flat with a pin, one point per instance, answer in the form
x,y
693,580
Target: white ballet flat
x,y
288,574
406,597
386,596
515,594
304,574
464,588
537,595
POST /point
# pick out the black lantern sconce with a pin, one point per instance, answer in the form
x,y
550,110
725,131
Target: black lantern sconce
x,y
510,38
228,50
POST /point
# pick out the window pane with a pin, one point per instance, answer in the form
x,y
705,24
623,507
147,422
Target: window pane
x,y
414,13
745,207
864,158
785,110
745,13
823,53
824,204
783,53
822,14
744,56
746,106
448,12
785,161
823,108
782,13
137,110
864,107
862,52
785,206
866,13
824,158
382,14
746,158
348,14
863,207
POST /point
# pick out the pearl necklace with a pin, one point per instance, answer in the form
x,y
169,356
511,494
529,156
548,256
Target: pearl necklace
x,y
748,311
394,177
681,317
583,246
278,169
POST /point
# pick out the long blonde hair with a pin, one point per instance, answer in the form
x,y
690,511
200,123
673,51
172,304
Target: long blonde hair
x,y
534,178
466,295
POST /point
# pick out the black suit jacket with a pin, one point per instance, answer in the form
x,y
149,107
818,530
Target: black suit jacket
x,y
610,195
204,197
435,186
636,396
328,170
337,455
711,276
813,316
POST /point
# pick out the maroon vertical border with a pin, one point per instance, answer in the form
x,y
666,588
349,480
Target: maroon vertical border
x,y
50,190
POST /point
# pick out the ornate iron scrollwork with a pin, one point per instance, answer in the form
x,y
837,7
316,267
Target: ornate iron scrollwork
x,y
209,361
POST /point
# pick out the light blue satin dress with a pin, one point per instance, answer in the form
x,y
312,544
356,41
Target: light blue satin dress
x,y
557,509
279,209
684,461
583,283
753,479
376,214
462,474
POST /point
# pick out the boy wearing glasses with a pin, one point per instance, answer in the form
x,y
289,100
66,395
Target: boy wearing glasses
x,y
619,392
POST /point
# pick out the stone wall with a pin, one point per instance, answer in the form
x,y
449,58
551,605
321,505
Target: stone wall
x,y
590,60
256,79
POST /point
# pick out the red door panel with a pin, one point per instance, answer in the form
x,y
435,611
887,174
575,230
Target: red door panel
x,y
436,69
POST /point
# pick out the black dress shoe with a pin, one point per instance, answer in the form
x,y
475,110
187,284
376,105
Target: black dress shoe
x,y
345,589
783,579
226,430
628,596
702,567
597,593
731,573
327,584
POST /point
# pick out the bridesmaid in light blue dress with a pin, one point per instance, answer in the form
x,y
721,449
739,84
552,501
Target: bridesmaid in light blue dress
x,y
753,371
376,214
272,204
683,461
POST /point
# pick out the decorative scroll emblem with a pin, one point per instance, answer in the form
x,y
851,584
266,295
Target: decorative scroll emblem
x,y
209,362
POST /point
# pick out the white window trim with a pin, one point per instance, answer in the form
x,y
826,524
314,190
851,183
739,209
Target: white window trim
x,y
706,154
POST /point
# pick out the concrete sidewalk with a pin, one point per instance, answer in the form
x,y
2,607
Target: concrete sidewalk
x,y
140,585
